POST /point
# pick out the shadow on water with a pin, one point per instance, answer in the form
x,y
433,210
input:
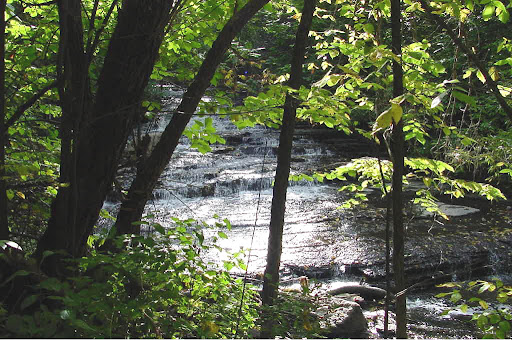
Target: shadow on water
x,y
320,241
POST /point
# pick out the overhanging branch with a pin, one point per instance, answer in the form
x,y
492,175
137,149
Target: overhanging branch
x,y
471,56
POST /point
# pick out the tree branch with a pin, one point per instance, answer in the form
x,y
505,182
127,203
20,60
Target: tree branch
x,y
471,56
92,46
31,101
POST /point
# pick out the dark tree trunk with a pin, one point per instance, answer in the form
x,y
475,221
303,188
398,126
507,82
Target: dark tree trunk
x,y
271,277
4,226
74,94
150,170
398,152
100,128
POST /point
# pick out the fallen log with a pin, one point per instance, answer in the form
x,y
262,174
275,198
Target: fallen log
x,y
366,292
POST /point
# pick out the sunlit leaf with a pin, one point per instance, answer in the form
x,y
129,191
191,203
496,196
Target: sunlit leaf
x,y
504,90
4,244
483,304
488,11
480,76
437,100
493,72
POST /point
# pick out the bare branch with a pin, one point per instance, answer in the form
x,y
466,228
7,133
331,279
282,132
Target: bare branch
x,y
31,101
91,23
48,3
92,47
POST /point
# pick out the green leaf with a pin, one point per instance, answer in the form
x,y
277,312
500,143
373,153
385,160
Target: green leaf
x,y
504,16
222,235
500,334
440,295
18,273
456,296
488,12
504,326
28,301
384,120
10,194
504,91
416,55
14,323
482,321
467,141
82,324
396,112
464,98
483,304
228,265
480,76
368,28
158,227
493,72
494,318
333,79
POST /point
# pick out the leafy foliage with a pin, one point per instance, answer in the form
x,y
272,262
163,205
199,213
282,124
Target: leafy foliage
x,y
494,317
151,287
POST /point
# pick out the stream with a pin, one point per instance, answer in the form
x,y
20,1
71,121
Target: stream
x,y
332,245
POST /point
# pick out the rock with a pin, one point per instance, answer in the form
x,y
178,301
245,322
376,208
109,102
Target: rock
x,y
346,321
208,190
451,210
366,292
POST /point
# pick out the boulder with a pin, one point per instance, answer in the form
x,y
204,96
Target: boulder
x,y
347,320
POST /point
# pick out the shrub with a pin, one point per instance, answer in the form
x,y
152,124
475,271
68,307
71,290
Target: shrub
x,y
153,287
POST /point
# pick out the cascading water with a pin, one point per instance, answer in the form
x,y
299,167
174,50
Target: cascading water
x,y
235,179
227,182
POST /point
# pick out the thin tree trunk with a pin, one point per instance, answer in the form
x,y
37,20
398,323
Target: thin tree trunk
x,y
4,226
150,170
100,129
398,151
471,56
271,277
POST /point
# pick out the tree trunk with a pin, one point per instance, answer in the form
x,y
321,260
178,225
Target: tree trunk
x,y
4,226
100,129
271,277
150,170
397,148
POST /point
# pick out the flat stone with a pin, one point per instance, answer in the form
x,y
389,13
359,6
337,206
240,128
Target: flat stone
x,y
451,210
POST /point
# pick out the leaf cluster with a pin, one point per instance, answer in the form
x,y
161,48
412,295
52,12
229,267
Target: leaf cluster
x,y
487,301
150,287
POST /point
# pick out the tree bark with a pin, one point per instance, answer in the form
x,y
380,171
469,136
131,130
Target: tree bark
x,y
100,128
471,56
398,152
4,226
150,170
275,239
